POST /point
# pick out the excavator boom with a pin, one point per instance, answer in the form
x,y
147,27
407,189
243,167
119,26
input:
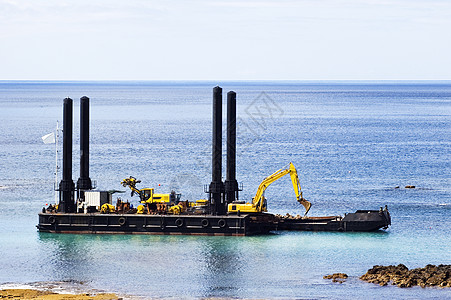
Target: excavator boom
x,y
259,199
259,202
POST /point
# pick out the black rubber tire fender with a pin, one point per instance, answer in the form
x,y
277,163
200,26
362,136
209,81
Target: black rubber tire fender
x,y
222,223
179,222
52,220
205,223
122,221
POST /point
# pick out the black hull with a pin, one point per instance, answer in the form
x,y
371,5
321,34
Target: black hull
x,y
364,221
232,225
96,223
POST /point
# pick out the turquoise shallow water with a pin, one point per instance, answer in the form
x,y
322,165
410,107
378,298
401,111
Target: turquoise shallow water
x,y
352,143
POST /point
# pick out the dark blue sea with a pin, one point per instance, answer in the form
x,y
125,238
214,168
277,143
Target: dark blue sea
x,y
352,143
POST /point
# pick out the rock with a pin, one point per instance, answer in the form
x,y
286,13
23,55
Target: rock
x,y
435,280
401,276
337,277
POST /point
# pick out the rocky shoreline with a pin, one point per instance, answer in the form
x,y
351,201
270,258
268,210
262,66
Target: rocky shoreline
x,y
55,290
49,295
400,275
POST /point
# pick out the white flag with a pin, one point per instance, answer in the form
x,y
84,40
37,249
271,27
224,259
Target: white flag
x,y
49,138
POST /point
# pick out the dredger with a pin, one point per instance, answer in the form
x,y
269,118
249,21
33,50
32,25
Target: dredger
x,y
81,209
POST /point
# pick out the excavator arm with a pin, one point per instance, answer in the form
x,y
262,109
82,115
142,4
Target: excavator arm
x,y
259,201
297,189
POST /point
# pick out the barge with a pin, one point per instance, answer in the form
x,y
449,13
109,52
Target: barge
x,y
361,220
222,214
229,225
97,223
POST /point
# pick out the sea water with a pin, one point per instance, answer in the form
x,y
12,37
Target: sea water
x,y
356,145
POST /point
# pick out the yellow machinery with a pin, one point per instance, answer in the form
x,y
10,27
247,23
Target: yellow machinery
x,y
147,195
259,202
178,208
140,209
107,208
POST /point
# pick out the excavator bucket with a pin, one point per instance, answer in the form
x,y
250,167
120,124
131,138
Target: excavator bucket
x,y
306,204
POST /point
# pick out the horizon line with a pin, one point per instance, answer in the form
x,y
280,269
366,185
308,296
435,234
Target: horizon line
x,y
222,80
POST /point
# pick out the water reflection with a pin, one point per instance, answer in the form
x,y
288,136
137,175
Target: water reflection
x,y
222,266
160,265
67,256
204,266
289,264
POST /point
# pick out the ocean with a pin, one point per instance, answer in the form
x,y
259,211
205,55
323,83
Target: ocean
x,y
355,144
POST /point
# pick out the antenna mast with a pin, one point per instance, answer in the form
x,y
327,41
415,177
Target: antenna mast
x,y
56,162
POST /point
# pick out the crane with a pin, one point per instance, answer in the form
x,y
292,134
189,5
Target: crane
x,y
259,201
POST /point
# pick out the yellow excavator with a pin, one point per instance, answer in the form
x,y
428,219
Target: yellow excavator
x,y
259,201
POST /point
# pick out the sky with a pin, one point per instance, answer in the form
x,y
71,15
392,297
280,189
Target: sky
x,y
225,40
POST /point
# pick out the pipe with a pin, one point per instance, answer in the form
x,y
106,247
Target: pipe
x,y
67,186
84,182
216,186
231,185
